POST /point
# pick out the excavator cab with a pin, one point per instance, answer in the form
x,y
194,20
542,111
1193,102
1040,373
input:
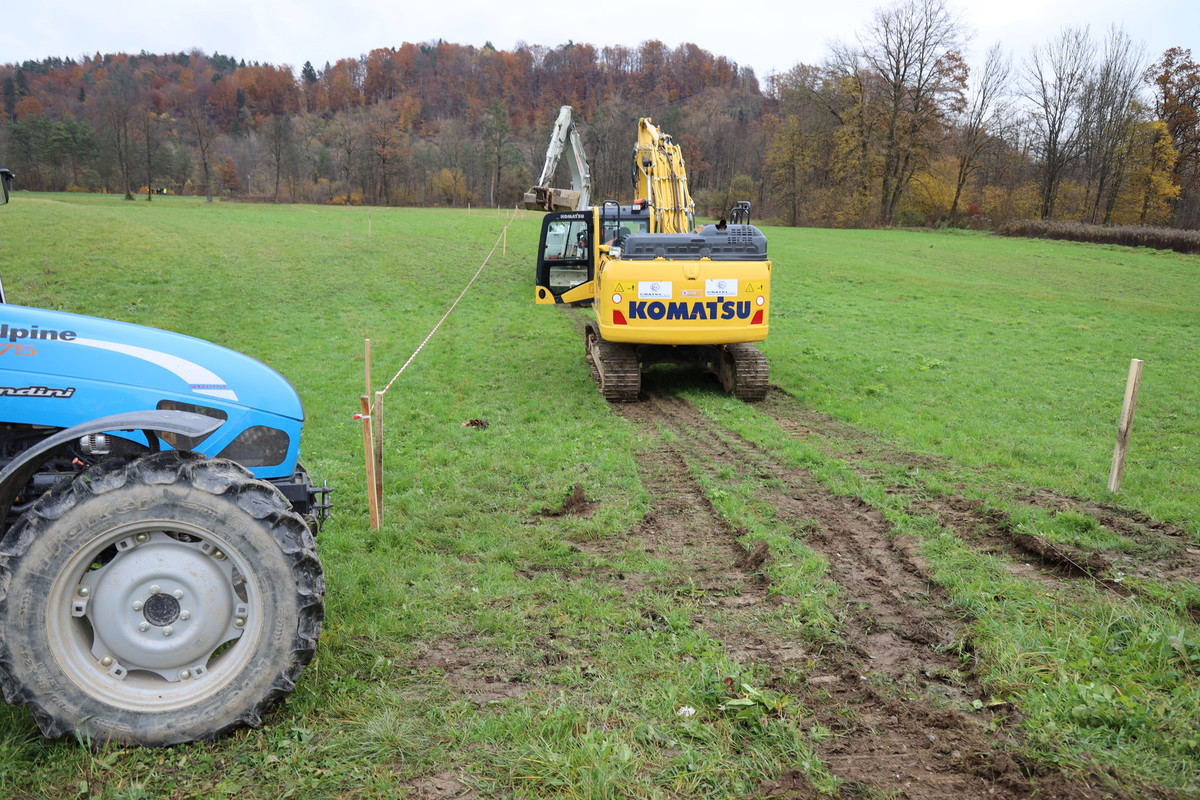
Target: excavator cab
x,y
571,250
565,258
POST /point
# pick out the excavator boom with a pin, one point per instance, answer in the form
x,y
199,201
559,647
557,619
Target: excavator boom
x,y
660,177
565,140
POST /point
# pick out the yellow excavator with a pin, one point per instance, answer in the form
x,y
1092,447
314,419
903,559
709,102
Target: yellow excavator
x,y
662,289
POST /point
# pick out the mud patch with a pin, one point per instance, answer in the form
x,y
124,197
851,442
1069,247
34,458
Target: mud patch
x,y
478,674
575,504
442,786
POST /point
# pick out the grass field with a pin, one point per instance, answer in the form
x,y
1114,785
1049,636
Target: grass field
x,y
931,460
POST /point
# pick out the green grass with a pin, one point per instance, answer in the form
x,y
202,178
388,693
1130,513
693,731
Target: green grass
x,y
1004,358
1006,355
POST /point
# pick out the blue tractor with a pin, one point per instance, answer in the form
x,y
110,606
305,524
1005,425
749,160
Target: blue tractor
x,y
159,580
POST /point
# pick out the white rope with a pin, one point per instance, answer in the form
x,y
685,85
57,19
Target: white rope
x,y
453,305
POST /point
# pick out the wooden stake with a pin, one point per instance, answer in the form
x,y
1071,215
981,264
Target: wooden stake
x,y
369,457
367,364
377,429
1126,425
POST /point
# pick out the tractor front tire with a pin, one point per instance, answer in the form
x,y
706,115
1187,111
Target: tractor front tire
x,y
156,600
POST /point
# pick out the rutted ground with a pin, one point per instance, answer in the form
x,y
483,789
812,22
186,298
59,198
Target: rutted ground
x,y
890,692
892,689
1161,551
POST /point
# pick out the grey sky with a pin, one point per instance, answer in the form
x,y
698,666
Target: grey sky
x,y
770,36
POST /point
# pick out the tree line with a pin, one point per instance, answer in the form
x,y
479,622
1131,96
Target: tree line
x,y
895,128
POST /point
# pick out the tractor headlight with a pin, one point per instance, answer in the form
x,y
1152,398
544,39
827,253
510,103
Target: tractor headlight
x,y
178,441
258,446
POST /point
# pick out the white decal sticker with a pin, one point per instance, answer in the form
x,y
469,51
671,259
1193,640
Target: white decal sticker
x,y
721,287
654,290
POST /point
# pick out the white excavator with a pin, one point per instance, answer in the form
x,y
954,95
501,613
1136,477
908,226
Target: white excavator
x,y
564,140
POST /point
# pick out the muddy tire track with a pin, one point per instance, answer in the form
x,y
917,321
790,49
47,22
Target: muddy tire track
x,y
1161,550
889,692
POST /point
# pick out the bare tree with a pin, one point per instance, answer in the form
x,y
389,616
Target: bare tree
x,y
152,131
498,150
913,47
284,153
984,119
1110,110
346,139
119,102
193,104
386,138
1055,77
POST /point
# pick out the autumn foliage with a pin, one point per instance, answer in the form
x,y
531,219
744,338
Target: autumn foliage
x,y
864,138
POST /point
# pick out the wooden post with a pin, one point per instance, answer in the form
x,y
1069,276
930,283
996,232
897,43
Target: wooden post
x,y
367,365
377,429
1125,425
372,444
369,457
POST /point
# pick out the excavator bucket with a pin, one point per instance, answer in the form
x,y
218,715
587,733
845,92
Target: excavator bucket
x,y
546,198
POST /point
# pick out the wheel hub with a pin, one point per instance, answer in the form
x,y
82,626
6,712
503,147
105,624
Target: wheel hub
x,y
160,610
161,604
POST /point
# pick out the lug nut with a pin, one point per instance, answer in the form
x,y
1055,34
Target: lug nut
x,y
142,538
185,614
240,622
183,676
177,594
137,605
84,591
217,554
143,626
167,631
106,661
154,589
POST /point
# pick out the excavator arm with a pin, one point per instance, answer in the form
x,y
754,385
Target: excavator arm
x,y
660,178
565,140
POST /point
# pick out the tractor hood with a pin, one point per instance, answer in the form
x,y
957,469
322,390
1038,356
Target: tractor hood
x,y
99,367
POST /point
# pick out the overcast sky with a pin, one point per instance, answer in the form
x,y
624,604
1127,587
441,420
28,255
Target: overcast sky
x,y
770,35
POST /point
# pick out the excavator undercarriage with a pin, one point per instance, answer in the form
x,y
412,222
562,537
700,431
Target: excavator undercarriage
x,y
617,366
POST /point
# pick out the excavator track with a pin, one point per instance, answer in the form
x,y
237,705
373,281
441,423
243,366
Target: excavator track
x,y
615,366
744,371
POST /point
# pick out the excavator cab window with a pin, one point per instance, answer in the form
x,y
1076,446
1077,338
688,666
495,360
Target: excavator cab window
x,y
565,256
619,222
